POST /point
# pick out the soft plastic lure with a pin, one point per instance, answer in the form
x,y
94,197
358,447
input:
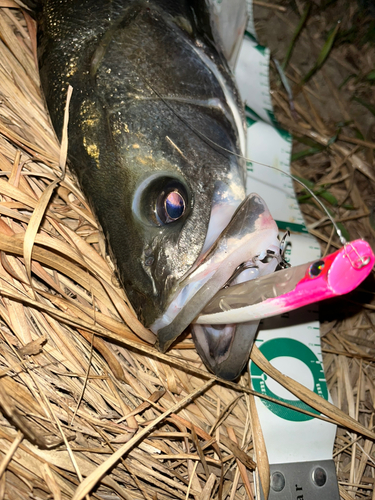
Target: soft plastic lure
x,y
288,289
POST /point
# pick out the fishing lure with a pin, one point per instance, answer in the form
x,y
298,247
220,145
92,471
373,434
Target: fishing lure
x,y
291,288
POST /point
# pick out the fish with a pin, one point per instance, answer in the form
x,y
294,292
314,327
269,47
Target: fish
x,y
157,141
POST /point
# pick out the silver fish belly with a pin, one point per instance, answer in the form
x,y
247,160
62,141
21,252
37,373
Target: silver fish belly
x,y
156,139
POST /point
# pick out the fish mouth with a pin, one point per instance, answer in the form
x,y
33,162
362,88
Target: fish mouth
x,y
246,249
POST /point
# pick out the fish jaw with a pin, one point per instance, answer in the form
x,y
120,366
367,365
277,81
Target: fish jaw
x,y
247,238
225,349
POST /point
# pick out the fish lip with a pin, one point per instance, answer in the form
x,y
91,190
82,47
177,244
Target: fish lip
x,y
233,359
250,233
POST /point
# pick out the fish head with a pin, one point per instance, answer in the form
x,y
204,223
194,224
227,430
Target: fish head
x,y
173,209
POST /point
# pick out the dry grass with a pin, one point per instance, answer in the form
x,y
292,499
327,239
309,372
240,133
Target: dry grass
x,y
88,406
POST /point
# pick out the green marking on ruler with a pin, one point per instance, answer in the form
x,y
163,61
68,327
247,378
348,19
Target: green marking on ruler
x,y
250,121
250,36
253,113
261,49
292,226
273,120
283,133
291,348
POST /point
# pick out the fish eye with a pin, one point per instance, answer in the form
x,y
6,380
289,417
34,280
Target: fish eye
x,y
162,199
170,206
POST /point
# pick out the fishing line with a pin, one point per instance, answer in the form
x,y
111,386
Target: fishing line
x,y
337,229
211,142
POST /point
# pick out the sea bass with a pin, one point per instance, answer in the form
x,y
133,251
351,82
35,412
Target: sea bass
x,y
156,140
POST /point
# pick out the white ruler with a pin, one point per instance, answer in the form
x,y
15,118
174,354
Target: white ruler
x,y
299,446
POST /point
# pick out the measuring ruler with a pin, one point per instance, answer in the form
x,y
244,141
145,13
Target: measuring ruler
x,y
299,446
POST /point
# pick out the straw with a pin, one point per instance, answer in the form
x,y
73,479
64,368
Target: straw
x,y
88,406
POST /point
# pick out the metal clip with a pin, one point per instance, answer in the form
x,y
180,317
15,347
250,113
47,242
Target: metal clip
x,y
359,261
